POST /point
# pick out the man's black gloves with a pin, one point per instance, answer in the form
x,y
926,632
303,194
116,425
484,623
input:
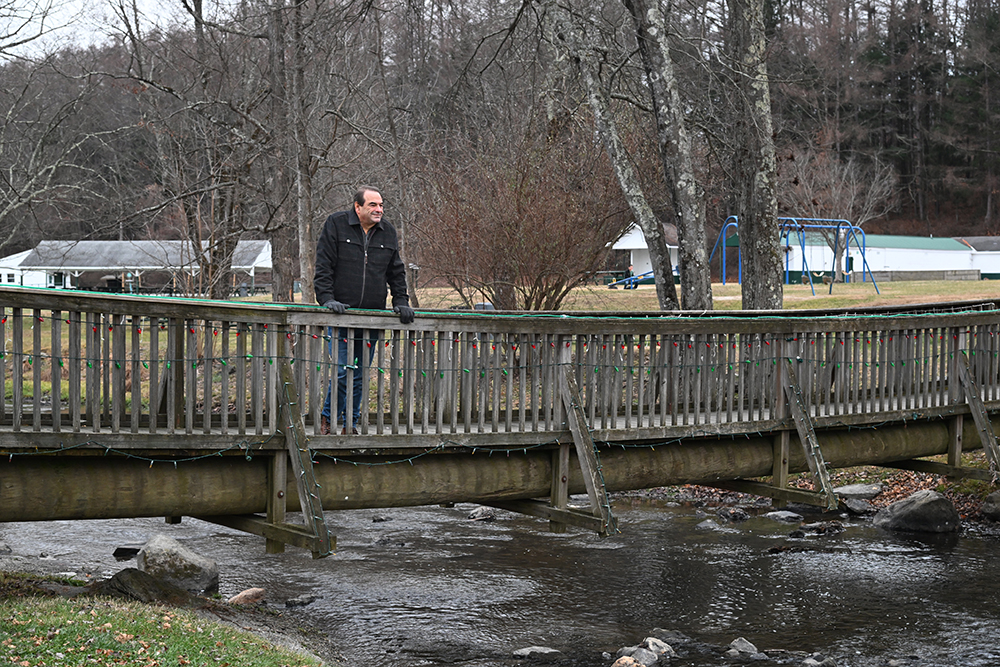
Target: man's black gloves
x,y
336,306
405,314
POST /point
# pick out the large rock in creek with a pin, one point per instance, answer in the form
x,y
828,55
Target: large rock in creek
x,y
859,491
165,558
991,506
923,512
133,584
650,652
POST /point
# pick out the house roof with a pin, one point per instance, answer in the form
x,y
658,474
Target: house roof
x,y
131,256
981,243
634,239
913,242
13,261
871,241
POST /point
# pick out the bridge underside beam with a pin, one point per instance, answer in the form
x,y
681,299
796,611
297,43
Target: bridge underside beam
x,y
945,470
50,487
543,510
779,493
286,533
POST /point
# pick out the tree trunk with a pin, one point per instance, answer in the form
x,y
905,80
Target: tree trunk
x,y
838,256
754,166
283,245
405,216
303,173
574,41
675,153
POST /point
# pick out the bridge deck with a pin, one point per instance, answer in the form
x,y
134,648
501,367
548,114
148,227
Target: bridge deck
x,y
99,388
166,373
615,429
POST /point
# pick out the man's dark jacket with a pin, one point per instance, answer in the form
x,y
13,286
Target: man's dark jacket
x,y
355,269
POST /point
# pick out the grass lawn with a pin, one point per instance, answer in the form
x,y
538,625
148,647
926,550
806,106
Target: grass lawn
x,y
52,631
727,297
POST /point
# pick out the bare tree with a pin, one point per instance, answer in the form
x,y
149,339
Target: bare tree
x,y
25,26
50,150
55,144
753,164
815,184
202,130
523,223
570,36
675,153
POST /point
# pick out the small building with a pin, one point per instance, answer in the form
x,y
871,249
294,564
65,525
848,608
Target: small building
x,y
634,242
13,273
126,266
886,257
986,258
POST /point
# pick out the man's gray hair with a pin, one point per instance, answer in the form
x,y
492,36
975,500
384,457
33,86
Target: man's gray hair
x,y
359,195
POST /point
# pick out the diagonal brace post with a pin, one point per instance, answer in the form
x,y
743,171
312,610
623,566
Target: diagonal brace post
x,y
983,424
807,435
586,452
302,467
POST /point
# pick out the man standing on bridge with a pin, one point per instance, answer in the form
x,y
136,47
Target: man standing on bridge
x,y
356,258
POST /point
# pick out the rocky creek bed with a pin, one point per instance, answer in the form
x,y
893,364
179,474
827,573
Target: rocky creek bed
x,y
297,626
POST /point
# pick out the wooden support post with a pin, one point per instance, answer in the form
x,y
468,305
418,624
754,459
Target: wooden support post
x,y
779,469
935,468
560,484
955,426
314,535
277,482
982,418
957,342
300,455
585,452
784,494
789,402
557,509
560,458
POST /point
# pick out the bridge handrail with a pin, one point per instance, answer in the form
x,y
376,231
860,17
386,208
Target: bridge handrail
x,y
134,372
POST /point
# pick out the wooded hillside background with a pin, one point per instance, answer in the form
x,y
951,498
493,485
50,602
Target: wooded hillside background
x,y
259,118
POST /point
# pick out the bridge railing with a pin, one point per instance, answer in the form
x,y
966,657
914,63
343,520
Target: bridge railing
x,y
143,370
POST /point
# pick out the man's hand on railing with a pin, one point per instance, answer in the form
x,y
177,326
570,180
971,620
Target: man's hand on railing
x,y
405,314
336,306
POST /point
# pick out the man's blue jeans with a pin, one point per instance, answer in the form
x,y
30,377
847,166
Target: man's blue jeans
x,y
351,348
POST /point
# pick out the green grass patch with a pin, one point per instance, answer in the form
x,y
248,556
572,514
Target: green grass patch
x,y
28,389
729,296
57,632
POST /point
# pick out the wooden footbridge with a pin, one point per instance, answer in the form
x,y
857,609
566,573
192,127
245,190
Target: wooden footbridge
x,y
120,406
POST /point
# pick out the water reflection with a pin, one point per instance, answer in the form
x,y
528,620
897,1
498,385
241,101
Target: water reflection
x,y
429,587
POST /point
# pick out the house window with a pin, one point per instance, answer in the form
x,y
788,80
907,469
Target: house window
x,y
10,278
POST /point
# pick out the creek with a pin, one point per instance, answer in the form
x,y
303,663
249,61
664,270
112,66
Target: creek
x,y
426,586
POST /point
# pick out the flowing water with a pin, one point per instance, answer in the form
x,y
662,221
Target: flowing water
x,y
427,587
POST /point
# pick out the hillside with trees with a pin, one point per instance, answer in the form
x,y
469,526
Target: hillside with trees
x,y
513,140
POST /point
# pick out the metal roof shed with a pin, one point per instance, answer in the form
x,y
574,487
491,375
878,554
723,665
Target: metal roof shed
x,y
59,259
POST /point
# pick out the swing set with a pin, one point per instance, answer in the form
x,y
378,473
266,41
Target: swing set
x,y
799,228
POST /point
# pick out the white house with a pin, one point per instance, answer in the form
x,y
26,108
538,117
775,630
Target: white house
x,y
986,258
635,243
13,273
885,257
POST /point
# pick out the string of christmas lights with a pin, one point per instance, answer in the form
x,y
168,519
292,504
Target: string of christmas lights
x,y
245,446
721,361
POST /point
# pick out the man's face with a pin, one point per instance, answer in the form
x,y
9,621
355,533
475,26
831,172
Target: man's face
x,y
370,212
